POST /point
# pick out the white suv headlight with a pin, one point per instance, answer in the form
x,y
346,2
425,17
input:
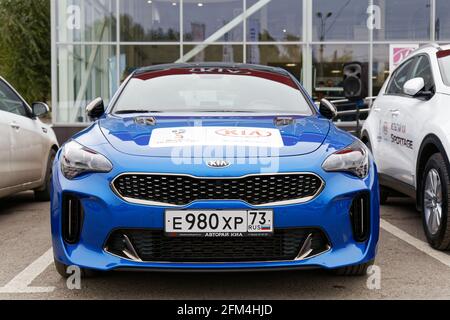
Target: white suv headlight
x,y
353,159
77,159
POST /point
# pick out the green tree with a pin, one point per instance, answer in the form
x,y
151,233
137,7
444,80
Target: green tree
x,y
25,49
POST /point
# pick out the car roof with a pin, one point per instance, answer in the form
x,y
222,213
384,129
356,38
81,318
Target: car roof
x,y
431,48
170,66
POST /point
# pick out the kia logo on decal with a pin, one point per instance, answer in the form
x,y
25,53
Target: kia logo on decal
x,y
220,70
218,164
244,133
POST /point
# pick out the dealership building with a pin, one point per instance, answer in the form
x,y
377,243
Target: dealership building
x,y
97,43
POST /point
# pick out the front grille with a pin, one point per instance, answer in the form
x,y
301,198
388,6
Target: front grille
x,y
182,190
155,246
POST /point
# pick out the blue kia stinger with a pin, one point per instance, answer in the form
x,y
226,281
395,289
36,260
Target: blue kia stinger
x,y
213,167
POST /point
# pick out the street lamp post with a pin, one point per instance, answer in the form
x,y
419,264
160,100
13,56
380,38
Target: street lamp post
x,y
323,31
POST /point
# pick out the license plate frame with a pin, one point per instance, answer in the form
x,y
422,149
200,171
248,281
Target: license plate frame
x,y
218,223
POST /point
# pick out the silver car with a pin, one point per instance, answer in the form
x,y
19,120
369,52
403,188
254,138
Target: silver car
x,y
27,145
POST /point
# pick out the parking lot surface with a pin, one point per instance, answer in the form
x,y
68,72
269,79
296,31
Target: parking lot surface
x,y
409,268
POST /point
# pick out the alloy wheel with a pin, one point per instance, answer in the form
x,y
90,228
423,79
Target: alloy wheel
x,y
433,201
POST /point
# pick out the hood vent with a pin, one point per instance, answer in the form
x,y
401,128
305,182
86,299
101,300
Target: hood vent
x,y
145,121
284,121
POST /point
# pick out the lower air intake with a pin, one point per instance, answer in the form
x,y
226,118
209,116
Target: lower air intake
x,y
155,246
72,218
360,217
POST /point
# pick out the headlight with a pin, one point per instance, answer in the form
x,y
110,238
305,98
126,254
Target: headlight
x,y
77,159
353,159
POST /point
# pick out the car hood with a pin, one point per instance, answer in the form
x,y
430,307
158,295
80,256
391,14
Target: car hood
x,y
158,136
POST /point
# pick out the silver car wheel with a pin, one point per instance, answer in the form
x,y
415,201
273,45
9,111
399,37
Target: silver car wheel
x,y
433,201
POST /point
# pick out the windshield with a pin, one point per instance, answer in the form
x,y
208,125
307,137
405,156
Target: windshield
x,y
185,91
444,65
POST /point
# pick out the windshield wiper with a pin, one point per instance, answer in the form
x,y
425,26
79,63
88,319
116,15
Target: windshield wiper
x,y
135,111
225,111
185,111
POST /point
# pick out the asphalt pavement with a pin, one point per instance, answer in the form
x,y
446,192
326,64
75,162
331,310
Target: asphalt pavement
x,y
407,267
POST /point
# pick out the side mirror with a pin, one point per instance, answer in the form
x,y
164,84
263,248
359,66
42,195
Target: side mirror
x,y
95,109
413,87
327,109
39,109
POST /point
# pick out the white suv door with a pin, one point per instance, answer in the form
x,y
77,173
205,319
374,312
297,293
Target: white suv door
x,y
403,119
26,165
394,145
413,113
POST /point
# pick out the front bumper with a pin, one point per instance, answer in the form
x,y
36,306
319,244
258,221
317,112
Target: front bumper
x,y
105,212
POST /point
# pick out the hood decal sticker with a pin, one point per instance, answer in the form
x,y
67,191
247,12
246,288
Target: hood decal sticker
x,y
216,136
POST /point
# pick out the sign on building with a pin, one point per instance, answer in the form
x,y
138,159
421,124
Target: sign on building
x,y
398,53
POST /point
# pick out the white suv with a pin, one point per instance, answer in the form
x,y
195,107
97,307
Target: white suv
x,y
408,131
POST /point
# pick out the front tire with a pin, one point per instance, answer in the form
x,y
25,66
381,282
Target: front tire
x,y
354,271
384,195
45,193
435,202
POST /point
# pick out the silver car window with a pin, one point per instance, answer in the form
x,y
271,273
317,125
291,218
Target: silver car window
x,y
10,102
401,75
423,70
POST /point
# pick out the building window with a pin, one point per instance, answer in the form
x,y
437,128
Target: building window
x,y
154,20
205,18
404,20
100,42
328,64
288,57
275,20
340,20
380,71
442,20
84,73
134,57
86,21
213,53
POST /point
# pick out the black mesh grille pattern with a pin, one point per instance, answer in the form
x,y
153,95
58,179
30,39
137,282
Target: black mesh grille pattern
x,y
182,190
155,246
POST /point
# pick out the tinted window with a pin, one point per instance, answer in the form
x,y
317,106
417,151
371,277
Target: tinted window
x,y
276,21
340,20
400,77
155,20
407,20
10,102
442,20
203,19
423,70
328,63
86,21
213,91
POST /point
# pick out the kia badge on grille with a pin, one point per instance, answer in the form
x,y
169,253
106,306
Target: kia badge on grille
x,y
219,164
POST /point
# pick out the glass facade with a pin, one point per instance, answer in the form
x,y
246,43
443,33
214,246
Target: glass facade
x,y
97,43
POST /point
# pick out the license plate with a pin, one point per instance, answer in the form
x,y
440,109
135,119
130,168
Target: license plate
x,y
244,223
